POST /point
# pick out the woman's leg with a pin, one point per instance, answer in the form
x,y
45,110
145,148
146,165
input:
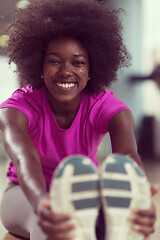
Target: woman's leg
x,y
17,214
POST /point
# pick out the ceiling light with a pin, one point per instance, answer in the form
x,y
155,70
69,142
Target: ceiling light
x,y
3,40
22,4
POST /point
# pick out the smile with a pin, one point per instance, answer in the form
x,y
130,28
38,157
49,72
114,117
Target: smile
x,y
66,85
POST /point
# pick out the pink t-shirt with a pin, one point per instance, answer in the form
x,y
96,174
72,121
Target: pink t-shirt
x,y
54,143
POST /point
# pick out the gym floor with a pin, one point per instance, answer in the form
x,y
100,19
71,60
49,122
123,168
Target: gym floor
x,y
152,168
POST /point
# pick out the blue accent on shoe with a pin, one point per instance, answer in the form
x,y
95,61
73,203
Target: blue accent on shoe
x,y
139,171
116,168
79,168
86,203
118,165
116,184
118,202
85,186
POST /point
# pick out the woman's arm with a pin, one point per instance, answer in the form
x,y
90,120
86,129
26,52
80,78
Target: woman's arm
x,y
19,147
121,130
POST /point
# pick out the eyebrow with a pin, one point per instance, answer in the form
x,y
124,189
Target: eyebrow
x,y
75,55
79,55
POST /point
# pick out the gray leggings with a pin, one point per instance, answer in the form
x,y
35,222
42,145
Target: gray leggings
x,y
17,214
19,219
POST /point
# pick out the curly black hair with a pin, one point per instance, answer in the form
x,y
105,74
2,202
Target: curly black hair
x,y
96,25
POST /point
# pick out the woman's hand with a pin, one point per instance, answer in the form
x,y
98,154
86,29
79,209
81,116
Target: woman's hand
x,y
55,226
144,220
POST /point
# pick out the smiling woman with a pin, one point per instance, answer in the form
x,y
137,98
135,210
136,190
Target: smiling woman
x,y
66,52
65,71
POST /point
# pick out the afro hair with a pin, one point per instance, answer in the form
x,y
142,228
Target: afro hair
x,y
95,24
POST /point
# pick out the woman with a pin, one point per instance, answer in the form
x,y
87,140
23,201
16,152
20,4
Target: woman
x,y
66,52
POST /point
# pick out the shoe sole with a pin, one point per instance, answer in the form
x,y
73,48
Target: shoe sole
x,y
124,186
75,189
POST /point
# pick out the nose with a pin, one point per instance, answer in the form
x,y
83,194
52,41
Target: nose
x,y
66,70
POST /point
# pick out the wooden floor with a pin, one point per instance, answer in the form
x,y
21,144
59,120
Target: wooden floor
x,y
9,237
152,168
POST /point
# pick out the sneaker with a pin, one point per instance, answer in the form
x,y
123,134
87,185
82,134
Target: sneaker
x,y
124,186
75,189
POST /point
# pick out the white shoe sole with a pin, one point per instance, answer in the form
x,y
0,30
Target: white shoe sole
x,y
75,189
124,186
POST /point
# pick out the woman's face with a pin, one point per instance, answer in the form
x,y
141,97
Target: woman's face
x,y
65,69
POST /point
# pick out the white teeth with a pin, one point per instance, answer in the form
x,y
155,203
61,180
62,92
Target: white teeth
x,y
66,85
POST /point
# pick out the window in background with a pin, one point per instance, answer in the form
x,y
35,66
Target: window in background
x,y
151,55
8,79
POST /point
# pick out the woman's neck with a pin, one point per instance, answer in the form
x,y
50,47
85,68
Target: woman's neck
x,y
64,108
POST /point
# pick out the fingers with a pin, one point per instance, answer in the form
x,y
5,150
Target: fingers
x,y
151,212
48,215
45,213
144,220
146,231
46,202
57,231
154,189
55,226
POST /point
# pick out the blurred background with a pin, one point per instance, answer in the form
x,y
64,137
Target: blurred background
x,y
138,86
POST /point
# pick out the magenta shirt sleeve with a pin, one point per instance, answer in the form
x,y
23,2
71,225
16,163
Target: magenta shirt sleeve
x,y
104,109
23,100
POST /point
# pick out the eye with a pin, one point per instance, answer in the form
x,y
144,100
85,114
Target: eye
x,y
54,61
78,63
